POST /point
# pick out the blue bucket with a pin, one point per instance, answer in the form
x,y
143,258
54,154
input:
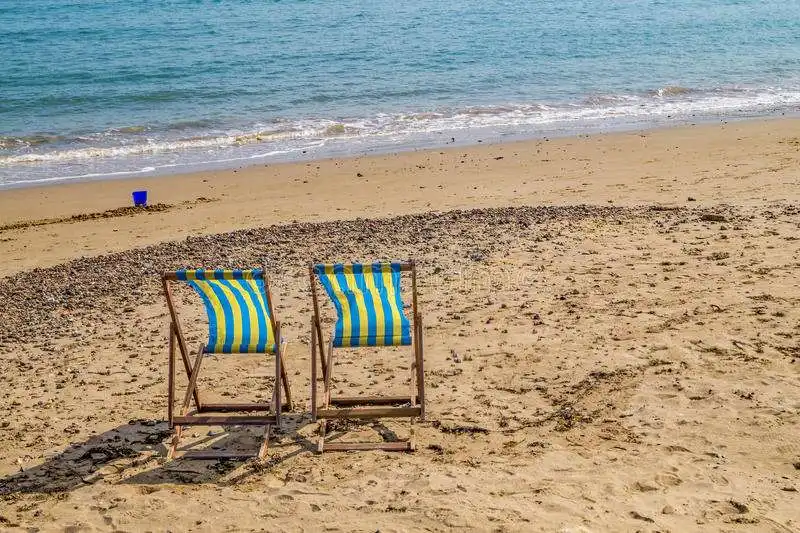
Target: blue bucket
x,y
139,198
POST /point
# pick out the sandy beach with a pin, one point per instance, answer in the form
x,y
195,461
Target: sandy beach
x,y
611,333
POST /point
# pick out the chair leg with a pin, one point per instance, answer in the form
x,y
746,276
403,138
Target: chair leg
x,y
276,389
313,371
192,382
262,451
285,379
282,378
323,424
175,327
328,373
317,329
326,397
413,380
186,403
176,439
171,375
419,353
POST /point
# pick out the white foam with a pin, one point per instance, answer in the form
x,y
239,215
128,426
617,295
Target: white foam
x,y
90,175
382,129
152,146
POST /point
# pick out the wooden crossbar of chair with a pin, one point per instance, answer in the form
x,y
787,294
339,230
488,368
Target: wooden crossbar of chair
x,y
202,414
328,407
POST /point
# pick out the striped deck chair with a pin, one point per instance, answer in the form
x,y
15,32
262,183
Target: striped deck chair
x,y
241,320
369,309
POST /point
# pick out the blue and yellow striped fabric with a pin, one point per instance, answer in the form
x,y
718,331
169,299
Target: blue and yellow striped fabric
x,y
368,304
237,308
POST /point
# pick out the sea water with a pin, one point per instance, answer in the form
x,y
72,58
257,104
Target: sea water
x,y
98,89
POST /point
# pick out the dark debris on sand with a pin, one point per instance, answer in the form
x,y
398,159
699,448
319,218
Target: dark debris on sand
x,y
62,300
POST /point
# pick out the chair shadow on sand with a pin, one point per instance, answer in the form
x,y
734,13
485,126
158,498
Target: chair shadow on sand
x,y
135,454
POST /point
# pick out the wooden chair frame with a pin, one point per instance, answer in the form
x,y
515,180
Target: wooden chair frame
x,y
345,407
200,416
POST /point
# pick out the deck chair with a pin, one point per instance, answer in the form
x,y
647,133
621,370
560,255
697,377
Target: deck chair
x,y
369,309
240,320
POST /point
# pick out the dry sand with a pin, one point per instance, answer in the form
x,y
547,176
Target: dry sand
x,y
602,353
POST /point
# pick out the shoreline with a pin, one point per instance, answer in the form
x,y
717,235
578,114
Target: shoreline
x,y
375,147
750,160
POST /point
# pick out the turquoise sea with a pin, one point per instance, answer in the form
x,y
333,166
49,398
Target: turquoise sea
x,y
99,89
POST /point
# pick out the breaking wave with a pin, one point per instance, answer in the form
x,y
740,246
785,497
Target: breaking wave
x,y
125,149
